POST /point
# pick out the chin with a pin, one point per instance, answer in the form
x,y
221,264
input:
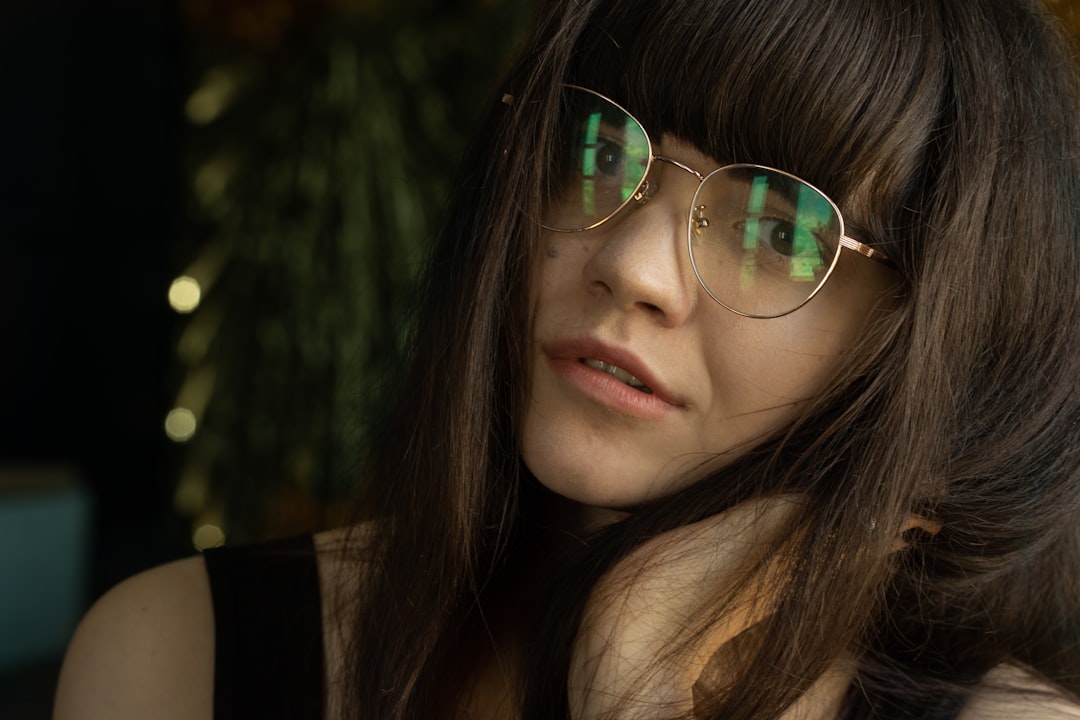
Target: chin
x,y
594,496
610,489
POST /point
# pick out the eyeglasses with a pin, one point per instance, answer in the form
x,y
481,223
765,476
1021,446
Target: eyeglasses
x,y
762,242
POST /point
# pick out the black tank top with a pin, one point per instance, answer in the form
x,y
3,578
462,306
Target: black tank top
x,y
268,658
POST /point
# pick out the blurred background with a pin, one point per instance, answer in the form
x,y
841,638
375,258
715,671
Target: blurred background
x,y
211,214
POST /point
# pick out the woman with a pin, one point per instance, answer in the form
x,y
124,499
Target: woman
x,y
743,386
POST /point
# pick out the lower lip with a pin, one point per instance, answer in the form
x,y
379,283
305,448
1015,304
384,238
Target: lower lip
x,y
609,391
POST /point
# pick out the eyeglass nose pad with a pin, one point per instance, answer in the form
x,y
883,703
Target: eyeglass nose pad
x,y
644,193
700,221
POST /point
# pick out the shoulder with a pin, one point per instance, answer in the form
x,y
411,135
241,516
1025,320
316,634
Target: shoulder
x,y
1010,692
145,649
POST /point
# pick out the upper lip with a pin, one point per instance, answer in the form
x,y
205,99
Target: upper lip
x,y
591,348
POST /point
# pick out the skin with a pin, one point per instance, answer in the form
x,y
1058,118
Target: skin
x,y
728,379
145,650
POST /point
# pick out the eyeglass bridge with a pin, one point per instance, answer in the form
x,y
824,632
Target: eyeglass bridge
x,y
647,190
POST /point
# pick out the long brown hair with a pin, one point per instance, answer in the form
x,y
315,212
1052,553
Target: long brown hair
x,y
948,133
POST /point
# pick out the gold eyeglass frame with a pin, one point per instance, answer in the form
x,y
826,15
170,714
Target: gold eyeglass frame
x,y
643,192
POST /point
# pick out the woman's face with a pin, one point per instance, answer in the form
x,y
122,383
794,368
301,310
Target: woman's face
x,y
622,300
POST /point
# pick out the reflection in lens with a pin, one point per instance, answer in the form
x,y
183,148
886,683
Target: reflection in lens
x,y
812,218
605,158
588,165
769,242
759,187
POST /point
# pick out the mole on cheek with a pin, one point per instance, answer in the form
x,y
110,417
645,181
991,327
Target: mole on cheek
x,y
552,251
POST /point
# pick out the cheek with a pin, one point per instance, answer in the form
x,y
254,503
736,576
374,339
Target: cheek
x,y
556,279
762,368
807,359
806,349
776,368
548,260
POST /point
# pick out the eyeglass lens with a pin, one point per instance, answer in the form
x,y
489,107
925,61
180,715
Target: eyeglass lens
x,y
762,242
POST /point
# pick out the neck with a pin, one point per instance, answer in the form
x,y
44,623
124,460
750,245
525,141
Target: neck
x,y
553,528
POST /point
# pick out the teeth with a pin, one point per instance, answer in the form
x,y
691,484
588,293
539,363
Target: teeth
x,y
617,372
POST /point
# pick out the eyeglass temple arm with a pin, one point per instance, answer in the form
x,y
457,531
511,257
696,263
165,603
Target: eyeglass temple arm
x,y
863,249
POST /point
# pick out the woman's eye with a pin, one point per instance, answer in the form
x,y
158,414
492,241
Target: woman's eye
x,y
780,235
610,158
772,233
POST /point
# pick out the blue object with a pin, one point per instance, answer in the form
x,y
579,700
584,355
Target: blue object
x,y
44,552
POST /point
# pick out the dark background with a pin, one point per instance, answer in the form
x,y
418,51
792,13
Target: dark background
x,y
87,214
88,137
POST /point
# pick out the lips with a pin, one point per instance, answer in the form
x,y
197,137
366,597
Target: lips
x,y
611,375
617,372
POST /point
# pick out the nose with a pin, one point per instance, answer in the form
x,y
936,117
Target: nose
x,y
642,262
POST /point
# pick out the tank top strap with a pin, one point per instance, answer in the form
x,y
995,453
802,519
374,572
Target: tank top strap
x,y
268,659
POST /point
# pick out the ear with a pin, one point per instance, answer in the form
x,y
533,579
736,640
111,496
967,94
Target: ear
x,y
914,522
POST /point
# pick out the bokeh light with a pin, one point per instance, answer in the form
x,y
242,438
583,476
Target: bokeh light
x,y
185,293
211,180
210,99
208,536
180,424
192,491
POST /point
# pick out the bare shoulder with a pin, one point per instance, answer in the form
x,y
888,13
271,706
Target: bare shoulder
x,y
1010,692
145,649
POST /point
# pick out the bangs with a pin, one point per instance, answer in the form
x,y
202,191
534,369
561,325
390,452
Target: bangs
x,y
838,93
